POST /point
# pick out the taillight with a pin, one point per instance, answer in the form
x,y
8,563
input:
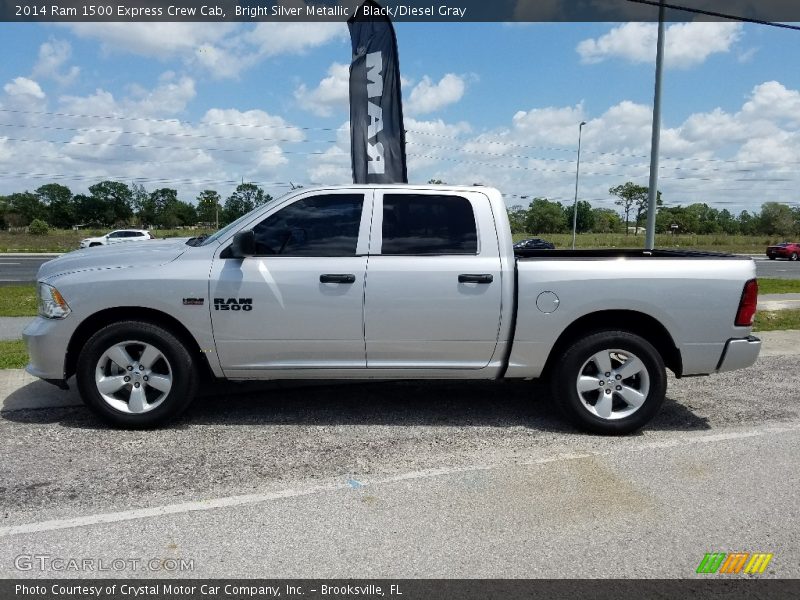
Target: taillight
x,y
747,305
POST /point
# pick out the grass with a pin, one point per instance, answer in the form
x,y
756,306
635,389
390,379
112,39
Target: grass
x,y
13,354
18,301
773,320
778,286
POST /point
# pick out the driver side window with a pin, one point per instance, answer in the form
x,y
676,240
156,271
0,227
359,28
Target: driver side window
x,y
316,226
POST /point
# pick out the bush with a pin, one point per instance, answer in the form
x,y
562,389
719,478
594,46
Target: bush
x,y
38,227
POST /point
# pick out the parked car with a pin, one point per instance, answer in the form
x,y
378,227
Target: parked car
x,y
534,244
118,236
283,293
789,250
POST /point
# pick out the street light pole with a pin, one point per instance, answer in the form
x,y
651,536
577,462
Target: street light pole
x,y
652,191
577,174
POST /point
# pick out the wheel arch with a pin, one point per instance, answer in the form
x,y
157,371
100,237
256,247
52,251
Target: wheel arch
x,y
98,320
631,321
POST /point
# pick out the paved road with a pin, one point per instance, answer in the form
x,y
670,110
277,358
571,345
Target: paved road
x,y
782,269
19,269
410,480
16,269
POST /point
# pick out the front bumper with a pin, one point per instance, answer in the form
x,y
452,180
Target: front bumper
x,y
739,354
47,341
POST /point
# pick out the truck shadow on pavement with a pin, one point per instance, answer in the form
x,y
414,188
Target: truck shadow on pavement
x,y
407,403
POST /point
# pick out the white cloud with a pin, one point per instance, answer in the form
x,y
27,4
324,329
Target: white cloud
x,y
428,96
225,50
772,100
52,58
333,165
22,86
686,44
273,39
136,137
332,93
734,160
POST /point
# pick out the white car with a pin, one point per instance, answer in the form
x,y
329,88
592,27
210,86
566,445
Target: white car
x,y
118,236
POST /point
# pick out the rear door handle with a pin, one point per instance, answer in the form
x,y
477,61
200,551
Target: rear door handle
x,y
467,278
337,278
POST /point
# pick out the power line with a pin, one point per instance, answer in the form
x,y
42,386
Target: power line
x,y
183,181
166,134
156,120
330,129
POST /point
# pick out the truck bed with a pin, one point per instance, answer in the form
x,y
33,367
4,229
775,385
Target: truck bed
x,y
524,254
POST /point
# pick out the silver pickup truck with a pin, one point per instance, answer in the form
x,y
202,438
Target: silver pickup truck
x,y
387,282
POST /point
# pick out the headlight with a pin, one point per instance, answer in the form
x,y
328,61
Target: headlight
x,y
51,303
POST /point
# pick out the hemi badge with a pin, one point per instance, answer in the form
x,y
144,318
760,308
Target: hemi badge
x,y
193,301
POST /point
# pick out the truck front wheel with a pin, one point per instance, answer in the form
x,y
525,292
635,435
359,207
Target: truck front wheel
x,y
135,375
610,382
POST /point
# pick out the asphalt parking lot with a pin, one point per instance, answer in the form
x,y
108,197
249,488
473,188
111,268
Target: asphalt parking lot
x,y
408,480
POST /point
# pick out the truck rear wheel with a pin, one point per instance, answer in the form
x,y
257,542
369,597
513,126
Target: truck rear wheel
x,y
610,382
135,375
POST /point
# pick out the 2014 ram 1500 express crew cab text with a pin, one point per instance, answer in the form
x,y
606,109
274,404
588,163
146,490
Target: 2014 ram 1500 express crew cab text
x,y
387,282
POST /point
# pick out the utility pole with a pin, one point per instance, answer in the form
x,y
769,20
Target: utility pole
x,y
577,174
652,192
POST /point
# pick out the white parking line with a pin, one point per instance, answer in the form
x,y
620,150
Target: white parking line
x,y
249,499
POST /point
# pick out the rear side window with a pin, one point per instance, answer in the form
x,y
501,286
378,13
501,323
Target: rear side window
x,y
316,226
428,224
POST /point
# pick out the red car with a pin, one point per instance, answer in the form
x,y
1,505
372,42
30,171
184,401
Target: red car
x,y
790,250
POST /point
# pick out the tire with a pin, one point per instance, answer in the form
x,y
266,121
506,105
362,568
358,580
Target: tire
x,y
626,405
114,353
793,256
771,257
93,244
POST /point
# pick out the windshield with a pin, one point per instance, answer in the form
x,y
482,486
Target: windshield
x,y
237,223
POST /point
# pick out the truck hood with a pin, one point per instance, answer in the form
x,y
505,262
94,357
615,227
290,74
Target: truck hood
x,y
115,256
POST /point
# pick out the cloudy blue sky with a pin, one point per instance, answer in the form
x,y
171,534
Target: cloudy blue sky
x,y
196,106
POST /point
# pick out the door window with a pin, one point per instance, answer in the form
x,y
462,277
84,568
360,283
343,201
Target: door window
x,y
428,224
317,226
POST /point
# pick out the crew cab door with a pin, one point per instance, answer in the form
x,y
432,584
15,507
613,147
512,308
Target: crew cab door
x,y
297,304
433,294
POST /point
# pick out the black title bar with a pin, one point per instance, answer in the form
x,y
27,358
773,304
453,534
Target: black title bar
x,y
398,10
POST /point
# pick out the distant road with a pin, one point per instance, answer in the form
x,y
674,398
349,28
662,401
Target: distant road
x,y
16,269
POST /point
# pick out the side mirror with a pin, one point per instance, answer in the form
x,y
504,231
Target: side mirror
x,y
244,244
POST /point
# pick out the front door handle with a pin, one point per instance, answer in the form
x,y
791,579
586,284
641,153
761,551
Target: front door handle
x,y
467,278
337,278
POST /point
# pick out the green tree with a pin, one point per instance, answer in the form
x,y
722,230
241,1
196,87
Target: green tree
x,y
727,222
606,220
139,202
38,227
776,219
629,195
517,215
584,219
58,202
161,207
117,198
91,210
246,197
183,213
208,203
23,208
545,216
748,224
